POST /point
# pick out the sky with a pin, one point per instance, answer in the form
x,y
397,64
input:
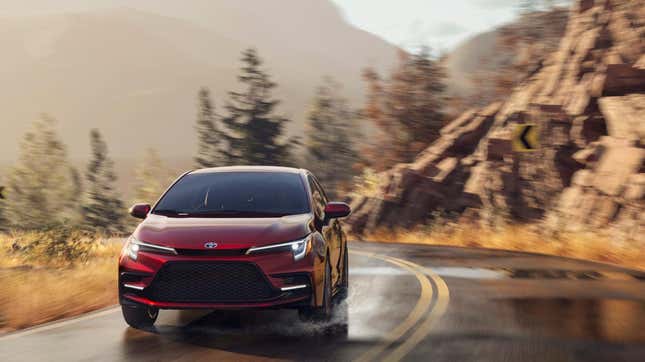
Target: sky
x,y
440,24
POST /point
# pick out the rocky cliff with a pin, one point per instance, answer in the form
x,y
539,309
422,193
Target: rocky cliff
x,y
588,101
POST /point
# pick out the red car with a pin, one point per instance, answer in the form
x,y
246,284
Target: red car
x,y
236,238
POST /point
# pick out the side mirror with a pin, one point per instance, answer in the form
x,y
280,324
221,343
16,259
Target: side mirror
x,y
140,211
335,210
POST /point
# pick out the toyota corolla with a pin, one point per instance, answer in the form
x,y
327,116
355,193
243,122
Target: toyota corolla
x,y
236,238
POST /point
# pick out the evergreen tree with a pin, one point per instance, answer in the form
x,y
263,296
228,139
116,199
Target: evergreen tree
x,y
76,185
152,178
103,210
39,187
253,132
407,107
4,224
208,137
330,134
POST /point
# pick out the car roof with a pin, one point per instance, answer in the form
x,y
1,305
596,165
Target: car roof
x,y
274,169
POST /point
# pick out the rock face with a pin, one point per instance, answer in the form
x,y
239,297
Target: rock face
x,y
588,101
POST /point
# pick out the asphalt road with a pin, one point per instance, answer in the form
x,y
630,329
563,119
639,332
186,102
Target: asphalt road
x,y
406,303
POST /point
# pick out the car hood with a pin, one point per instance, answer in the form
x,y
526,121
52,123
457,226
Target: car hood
x,y
228,233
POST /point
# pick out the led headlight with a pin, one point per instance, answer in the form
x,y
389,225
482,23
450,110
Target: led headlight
x,y
134,246
299,248
133,250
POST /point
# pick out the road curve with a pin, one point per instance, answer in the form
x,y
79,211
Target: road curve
x,y
407,302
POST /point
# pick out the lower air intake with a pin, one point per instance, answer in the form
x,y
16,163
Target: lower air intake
x,y
210,282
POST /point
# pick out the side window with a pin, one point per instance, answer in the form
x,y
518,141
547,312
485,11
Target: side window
x,y
322,192
318,197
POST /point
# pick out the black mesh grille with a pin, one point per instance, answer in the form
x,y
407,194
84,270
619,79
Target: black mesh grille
x,y
209,282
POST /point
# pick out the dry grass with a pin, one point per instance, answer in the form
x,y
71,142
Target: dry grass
x,y
596,246
35,292
39,290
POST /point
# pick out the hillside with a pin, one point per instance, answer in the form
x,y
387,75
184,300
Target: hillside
x,y
134,73
589,171
527,40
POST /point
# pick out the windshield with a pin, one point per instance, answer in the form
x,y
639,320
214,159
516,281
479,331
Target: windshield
x,y
235,194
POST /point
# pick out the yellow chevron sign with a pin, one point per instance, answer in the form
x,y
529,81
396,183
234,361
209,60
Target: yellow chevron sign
x,y
526,138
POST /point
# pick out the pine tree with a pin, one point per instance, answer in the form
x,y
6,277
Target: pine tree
x,y
39,192
208,136
152,178
102,210
407,107
76,185
253,132
330,134
4,223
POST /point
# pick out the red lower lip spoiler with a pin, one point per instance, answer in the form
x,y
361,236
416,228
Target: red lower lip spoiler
x,y
173,305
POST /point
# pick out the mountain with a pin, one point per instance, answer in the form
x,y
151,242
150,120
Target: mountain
x,y
526,41
133,72
587,171
467,58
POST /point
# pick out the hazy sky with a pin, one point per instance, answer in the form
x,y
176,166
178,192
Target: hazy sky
x,y
440,24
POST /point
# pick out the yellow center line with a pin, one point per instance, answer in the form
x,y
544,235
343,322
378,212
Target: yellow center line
x,y
443,297
419,310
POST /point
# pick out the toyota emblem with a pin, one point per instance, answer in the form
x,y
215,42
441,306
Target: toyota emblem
x,y
210,245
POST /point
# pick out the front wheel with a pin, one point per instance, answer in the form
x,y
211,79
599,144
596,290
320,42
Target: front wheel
x,y
139,316
343,289
322,313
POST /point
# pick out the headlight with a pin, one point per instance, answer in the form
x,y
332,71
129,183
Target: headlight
x,y
134,246
299,248
133,250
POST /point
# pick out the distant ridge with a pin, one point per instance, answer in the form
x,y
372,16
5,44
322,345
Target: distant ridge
x,y
134,73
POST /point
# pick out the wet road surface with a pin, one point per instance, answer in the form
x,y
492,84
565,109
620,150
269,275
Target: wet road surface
x,y
407,302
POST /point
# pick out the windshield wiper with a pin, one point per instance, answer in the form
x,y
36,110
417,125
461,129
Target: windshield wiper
x,y
234,213
169,212
218,213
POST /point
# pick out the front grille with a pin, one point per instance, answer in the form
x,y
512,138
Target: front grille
x,y
210,282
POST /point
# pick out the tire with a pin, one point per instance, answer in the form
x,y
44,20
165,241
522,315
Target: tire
x,y
324,312
343,288
340,325
139,317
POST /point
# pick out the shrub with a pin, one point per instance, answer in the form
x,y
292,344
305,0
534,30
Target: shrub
x,y
368,184
59,244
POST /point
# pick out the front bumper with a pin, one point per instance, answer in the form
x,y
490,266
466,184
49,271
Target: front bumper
x,y
227,281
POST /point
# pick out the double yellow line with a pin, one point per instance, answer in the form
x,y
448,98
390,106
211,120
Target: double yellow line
x,y
424,307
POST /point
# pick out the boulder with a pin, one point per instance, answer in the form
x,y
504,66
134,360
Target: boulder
x,y
459,121
584,5
588,99
640,64
635,190
618,162
622,79
589,155
625,116
498,148
586,129
583,178
446,167
605,210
